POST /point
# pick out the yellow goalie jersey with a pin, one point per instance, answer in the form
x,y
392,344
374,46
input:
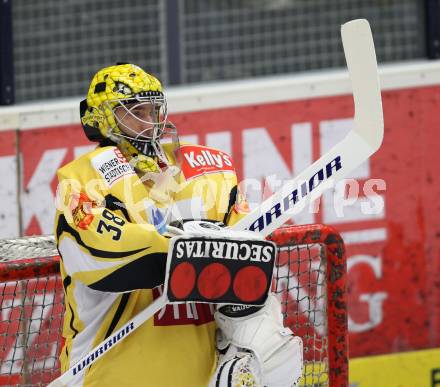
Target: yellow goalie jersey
x,y
109,227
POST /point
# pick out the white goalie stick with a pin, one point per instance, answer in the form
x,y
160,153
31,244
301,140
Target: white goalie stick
x,y
362,141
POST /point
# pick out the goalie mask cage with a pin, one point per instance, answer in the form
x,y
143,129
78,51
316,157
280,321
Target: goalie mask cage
x,y
309,279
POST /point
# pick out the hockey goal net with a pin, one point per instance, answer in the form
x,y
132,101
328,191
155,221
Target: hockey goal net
x,y
309,279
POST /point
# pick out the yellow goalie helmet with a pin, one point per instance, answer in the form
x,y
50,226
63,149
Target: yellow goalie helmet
x,y
127,106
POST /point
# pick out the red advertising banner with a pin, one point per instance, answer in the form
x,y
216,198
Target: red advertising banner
x,y
9,215
388,215
43,151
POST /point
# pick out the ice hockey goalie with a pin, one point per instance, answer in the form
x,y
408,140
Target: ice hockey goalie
x,y
113,206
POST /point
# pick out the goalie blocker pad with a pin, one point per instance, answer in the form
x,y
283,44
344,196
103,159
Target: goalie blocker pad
x,y
219,270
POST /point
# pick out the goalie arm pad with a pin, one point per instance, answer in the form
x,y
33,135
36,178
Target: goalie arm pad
x,y
278,352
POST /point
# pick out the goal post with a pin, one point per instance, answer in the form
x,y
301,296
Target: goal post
x,y
309,279
32,310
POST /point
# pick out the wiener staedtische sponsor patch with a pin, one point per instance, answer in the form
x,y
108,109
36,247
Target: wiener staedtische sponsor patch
x,y
112,165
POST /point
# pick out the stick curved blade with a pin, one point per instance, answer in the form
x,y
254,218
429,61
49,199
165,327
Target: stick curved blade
x,y
360,55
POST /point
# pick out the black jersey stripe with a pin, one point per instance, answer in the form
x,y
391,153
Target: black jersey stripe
x,y
232,201
71,322
121,307
145,272
66,282
112,203
63,226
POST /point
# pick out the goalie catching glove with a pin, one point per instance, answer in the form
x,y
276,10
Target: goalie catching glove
x,y
260,351
255,348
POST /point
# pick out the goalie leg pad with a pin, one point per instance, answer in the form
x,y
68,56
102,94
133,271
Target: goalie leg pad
x,y
236,369
285,367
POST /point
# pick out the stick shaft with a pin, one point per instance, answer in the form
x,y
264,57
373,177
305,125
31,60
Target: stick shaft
x,y
113,340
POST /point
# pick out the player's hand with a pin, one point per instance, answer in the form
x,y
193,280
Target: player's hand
x,y
206,228
194,228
